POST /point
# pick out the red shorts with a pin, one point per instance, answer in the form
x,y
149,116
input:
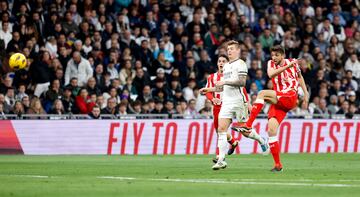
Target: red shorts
x,y
216,111
286,102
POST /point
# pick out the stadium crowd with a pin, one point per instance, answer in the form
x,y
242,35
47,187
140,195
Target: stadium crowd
x,y
151,57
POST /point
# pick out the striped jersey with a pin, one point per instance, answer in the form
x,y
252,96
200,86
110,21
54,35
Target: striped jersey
x,y
212,78
231,72
286,80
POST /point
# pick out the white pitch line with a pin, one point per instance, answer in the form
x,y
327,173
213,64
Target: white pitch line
x,y
219,181
298,180
25,175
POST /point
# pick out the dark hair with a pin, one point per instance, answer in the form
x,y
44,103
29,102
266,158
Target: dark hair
x,y
278,49
224,56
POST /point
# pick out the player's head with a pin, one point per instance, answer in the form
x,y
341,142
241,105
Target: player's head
x,y
221,61
233,50
277,53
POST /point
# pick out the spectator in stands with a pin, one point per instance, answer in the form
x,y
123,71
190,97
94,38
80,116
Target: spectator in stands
x,y
353,64
18,109
57,108
110,107
20,92
95,113
169,107
344,108
10,96
100,101
126,71
83,102
112,70
36,107
122,109
188,91
73,86
78,67
112,94
136,108
333,106
322,110
6,82
130,87
159,108
146,94
191,110
2,112
352,82
352,111
92,87
5,33
326,29
302,110
100,77
69,25
352,98
55,92
26,102
68,101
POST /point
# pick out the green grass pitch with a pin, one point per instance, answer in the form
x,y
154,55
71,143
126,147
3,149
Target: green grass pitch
x,y
247,175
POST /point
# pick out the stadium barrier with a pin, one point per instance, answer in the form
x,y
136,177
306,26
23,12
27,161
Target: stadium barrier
x,y
167,136
156,116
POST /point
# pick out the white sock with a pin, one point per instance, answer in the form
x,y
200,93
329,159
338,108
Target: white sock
x,y
223,145
273,139
228,137
256,136
259,101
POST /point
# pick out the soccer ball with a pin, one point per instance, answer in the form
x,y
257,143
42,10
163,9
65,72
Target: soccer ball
x,y
17,61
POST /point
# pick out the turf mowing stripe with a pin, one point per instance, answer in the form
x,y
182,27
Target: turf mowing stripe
x,y
217,181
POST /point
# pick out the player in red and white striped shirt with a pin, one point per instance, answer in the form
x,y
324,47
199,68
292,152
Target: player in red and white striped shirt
x,y
215,98
286,77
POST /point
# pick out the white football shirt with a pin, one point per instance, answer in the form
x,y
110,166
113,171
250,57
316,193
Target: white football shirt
x,y
232,70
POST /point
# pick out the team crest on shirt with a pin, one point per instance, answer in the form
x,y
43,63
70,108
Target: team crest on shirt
x,y
227,75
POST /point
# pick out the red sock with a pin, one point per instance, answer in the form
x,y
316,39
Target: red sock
x,y
217,151
275,151
231,141
256,109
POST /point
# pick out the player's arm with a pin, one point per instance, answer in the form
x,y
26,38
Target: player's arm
x,y
272,72
208,89
208,92
241,70
303,86
241,81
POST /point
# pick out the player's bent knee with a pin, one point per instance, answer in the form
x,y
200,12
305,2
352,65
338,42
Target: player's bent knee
x,y
261,94
222,129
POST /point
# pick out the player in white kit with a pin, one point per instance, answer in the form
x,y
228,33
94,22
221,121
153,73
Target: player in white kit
x,y
234,101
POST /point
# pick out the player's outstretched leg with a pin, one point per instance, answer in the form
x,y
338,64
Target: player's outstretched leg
x,y
252,134
274,144
269,96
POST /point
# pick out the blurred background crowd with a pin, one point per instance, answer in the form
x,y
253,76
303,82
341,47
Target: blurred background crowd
x,y
152,57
